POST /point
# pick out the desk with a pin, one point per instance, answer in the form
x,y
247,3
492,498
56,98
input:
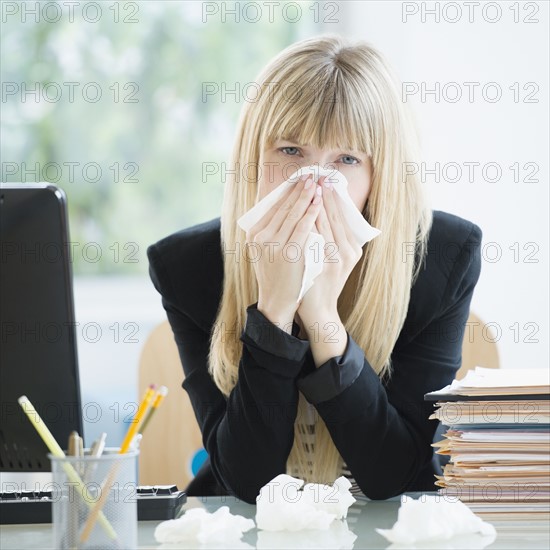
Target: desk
x,y
363,517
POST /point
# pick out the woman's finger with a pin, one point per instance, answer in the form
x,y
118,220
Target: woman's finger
x,y
289,214
305,225
289,197
323,226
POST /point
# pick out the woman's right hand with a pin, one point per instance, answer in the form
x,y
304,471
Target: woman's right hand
x,y
279,268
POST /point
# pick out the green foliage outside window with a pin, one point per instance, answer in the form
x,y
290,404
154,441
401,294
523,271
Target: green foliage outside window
x,y
131,162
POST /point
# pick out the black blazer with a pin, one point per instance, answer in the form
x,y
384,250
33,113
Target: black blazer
x,y
381,429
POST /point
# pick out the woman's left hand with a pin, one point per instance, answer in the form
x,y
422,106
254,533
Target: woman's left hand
x,y
341,254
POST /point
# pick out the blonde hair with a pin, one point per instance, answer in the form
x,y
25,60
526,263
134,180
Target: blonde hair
x,y
327,92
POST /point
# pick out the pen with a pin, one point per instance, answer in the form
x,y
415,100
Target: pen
x,y
96,451
98,445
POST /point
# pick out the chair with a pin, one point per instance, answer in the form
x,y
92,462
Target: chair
x,y
478,347
173,439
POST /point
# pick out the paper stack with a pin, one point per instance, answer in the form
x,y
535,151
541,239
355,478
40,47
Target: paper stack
x,y
498,443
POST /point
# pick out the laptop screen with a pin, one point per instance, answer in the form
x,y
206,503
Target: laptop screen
x,y
38,356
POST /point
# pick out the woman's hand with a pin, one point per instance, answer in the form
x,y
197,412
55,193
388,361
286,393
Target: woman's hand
x,y
318,309
279,276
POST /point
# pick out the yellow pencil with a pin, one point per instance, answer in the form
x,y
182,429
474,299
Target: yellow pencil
x,y
161,394
130,434
134,426
57,451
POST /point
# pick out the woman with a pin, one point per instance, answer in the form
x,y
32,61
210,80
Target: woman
x,y
332,384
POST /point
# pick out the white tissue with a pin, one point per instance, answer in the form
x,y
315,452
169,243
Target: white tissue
x,y
430,518
314,246
199,525
282,506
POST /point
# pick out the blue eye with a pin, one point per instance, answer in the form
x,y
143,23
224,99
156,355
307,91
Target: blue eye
x,y
285,150
348,157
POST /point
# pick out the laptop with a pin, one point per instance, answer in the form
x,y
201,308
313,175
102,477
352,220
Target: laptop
x,y
38,355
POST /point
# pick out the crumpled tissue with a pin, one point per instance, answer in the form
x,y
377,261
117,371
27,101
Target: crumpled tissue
x,y
315,243
282,505
431,518
199,525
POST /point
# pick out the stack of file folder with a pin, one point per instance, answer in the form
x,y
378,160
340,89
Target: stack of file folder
x,y
498,443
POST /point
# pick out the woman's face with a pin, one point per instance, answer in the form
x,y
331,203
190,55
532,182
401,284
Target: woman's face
x,y
281,160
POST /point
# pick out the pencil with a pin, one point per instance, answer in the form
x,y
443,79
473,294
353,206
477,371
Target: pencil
x,y
134,426
132,430
161,394
72,447
57,451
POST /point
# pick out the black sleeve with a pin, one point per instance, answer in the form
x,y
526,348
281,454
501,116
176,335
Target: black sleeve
x,y
249,435
382,430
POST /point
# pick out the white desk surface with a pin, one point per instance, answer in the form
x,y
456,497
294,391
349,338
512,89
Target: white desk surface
x,y
363,517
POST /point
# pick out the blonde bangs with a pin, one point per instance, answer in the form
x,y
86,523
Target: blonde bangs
x,y
323,112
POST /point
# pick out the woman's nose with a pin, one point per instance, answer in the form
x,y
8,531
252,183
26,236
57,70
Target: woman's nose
x,y
323,162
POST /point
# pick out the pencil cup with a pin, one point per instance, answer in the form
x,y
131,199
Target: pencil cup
x,y
94,500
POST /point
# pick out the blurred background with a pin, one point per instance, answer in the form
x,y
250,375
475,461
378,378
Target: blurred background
x,y
131,108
